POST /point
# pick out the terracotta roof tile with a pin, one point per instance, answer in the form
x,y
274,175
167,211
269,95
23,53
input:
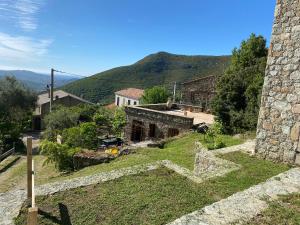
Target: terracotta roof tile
x,y
133,93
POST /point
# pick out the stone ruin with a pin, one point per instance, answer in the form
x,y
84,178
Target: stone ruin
x,y
279,119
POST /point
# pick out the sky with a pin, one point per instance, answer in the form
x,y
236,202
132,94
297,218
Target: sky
x,y
89,36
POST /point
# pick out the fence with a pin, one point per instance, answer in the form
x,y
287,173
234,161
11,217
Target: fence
x,y
6,154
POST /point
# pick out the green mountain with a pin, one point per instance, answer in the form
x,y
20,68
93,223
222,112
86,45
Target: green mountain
x,y
156,69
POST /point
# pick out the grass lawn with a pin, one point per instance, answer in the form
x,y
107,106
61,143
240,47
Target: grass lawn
x,y
154,197
285,210
180,151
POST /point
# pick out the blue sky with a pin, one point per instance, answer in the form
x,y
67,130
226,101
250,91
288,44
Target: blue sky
x,y
89,36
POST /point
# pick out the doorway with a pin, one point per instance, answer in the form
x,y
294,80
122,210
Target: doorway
x,y
137,131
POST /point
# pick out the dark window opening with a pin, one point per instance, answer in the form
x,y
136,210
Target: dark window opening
x,y
172,132
192,97
118,101
128,102
134,102
152,129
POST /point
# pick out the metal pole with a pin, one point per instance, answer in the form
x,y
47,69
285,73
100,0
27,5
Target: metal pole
x,y
51,89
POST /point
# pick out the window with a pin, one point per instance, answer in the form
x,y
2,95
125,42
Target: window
x,y
134,102
128,102
118,101
152,128
192,97
172,132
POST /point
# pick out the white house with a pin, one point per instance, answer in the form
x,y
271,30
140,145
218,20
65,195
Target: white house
x,y
129,96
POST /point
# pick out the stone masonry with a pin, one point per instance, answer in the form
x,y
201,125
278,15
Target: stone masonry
x,y
279,118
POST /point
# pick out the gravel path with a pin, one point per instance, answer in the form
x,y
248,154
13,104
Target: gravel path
x,y
243,206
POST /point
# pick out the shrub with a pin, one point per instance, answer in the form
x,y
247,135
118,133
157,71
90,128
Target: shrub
x,y
58,120
59,154
155,95
119,121
88,134
72,137
84,135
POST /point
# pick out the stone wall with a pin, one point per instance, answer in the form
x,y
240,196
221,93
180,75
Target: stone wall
x,y
199,92
162,121
279,118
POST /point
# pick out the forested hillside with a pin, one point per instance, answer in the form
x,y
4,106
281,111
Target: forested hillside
x,y
157,69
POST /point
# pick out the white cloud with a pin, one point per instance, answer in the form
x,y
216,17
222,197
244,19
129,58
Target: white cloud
x,y
22,49
22,12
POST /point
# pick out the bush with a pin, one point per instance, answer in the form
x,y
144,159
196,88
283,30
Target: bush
x,y
84,136
59,154
58,120
72,137
155,95
119,121
88,133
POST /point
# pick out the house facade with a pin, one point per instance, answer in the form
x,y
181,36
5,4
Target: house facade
x,y
199,92
128,97
159,121
59,98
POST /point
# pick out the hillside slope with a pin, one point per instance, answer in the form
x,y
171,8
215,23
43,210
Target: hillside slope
x,y
156,69
37,81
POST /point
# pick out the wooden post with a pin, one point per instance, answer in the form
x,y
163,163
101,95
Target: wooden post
x,y
32,216
29,168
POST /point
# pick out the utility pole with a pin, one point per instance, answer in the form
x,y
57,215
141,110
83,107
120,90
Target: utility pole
x,y
174,92
51,89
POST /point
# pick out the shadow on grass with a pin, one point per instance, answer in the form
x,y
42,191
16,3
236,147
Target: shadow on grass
x,y
2,170
64,215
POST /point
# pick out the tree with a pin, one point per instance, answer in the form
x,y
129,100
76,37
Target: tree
x,y
119,121
16,105
237,101
58,120
155,95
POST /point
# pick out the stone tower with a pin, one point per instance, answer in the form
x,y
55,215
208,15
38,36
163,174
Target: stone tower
x,y
279,118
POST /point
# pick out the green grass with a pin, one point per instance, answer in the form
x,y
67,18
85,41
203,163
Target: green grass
x,y
226,141
155,197
180,151
285,210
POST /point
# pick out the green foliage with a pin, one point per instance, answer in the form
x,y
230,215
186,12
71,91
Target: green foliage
x,y
155,95
156,69
85,111
58,120
72,137
88,133
213,137
119,121
237,100
16,105
84,136
103,117
59,154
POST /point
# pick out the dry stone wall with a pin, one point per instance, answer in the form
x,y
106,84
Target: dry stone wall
x,y
279,119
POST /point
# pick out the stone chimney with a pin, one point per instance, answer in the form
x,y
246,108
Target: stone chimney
x,y
279,119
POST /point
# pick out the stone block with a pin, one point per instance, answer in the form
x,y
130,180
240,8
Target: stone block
x,y
295,132
296,109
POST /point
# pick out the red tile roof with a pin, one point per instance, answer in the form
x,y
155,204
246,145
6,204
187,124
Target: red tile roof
x,y
133,93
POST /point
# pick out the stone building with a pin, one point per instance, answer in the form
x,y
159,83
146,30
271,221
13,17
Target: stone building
x,y
279,119
59,98
129,96
158,121
199,92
